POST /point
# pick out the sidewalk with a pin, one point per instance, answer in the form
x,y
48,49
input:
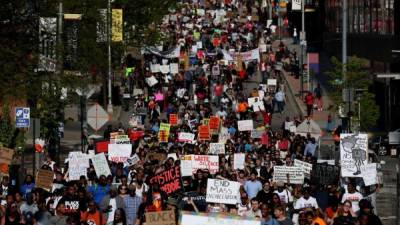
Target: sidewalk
x,y
294,86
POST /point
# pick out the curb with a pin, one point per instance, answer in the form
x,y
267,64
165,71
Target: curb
x,y
293,96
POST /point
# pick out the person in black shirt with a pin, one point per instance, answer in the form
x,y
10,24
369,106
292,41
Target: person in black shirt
x,y
265,195
366,208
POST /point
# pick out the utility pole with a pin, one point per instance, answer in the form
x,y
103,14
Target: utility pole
x,y
109,33
303,45
344,57
59,70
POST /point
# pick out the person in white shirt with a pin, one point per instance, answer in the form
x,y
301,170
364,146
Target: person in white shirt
x,y
353,196
284,195
305,202
255,211
244,205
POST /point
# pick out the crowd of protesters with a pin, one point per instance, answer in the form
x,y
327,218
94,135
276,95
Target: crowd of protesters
x,y
195,93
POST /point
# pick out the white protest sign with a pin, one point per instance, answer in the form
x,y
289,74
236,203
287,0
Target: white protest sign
x,y
271,82
185,137
307,167
75,173
100,165
238,161
263,48
222,191
151,81
186,166
172,155
199,45
174,68
353,154
195,162
257,133
223,135
78,159
155,68
215,70
245,125
296,175
164,69
119,152
194,48
369,174
263,87
132,160
189,218
256,103
217,148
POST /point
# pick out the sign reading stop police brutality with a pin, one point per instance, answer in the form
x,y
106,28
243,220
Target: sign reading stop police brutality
x,y
353,154
169,180
222,191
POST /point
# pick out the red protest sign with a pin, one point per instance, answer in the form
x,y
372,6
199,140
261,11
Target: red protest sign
x,y
173,119
204,133
214,122
163,136
136,135
102,146
169,180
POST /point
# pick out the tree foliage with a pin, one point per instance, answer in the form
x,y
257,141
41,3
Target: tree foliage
x,y
358,77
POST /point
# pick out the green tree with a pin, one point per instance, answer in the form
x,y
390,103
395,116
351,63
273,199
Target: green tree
x,y
358,77
6,127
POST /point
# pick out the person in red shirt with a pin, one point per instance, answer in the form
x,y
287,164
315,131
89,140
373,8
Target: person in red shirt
x,y
93,215
218,91
309,103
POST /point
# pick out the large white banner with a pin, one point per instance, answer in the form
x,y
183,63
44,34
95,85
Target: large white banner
x,y
222,191
119,152
217,148
191,163
353,154
214,219
245,125
296,174
100,165
307,167
239,160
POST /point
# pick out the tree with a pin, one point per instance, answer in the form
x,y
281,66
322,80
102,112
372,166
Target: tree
x,y
357,77
6,127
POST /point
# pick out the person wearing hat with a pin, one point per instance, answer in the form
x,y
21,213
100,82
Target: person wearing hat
x,y
366,208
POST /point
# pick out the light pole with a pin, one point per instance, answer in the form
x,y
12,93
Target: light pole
x,y
303,45
109,33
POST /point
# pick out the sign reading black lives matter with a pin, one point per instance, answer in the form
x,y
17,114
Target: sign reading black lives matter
x,y
169,180
222,191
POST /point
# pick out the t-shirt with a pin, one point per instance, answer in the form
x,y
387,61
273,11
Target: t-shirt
x,y
113,204
354,198
96,218
252,188
302,203
284,196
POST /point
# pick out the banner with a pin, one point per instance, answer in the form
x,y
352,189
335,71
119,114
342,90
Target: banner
x,y
326,174
44,179
370,175
185,137
117,25
353,154
78,159
100,165
191,163
223,135
75,173
245,125
169,180
204,133
256,134
47,44
307,167
217,148
222,191
6,155
189,218
238,161
160,218
296,175
119,152
244,56
101,26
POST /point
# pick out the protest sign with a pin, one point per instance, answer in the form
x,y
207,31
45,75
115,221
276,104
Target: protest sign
x,y
155,68
174,68
78,159
102,146
132,160
160,157
164,69
263,48
271,82
324,173
223,135
256,134
238,161
100,165
172,155
189,218
160,218
44,179
173,119
369,174
185,137
296,175
205,121
245,125
204,133
256,103
191,163
199,45
217,148
186,165
169,180
6,155
75,173
214,122
353,154
222,191
119,152
215,71
307,167
163,136
165,126
151,81
136,135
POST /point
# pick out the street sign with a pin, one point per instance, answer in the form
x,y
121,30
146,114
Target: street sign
x,y
389,75
22,117
97,117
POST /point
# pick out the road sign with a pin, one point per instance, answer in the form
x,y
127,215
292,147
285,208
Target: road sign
x,y
22,117
97,117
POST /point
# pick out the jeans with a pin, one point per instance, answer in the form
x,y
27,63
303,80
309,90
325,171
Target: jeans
x,y
280,105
